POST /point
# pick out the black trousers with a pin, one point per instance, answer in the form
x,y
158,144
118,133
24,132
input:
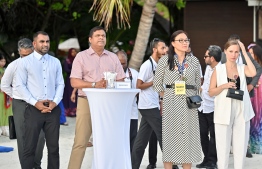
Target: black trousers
x,y
18,107
151,121
35,121
207,136
152,149
133,132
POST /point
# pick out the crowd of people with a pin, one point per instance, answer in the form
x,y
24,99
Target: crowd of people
x,y
36,94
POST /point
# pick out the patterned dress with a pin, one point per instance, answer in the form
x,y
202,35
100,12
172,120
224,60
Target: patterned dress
x,y
70,107
256,122
180,126
5,106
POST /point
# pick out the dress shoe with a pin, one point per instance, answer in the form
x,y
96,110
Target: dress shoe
x,y
151,166
249,155
65,124
211,166
175,167
202,165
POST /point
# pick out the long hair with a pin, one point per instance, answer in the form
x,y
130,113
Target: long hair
x,y
257,50
1,56
69,56
171,50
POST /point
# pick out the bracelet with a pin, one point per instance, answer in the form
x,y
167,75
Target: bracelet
x,y
160,98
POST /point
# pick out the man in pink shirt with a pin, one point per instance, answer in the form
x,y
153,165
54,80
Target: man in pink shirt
x,y
87,72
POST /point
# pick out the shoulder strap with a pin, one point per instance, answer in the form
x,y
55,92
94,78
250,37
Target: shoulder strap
x,y
152,65
130,74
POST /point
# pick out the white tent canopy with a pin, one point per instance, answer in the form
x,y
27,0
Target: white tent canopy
x,y
69,43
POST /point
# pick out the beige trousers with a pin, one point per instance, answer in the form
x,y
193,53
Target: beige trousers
x,y
83,132
238,131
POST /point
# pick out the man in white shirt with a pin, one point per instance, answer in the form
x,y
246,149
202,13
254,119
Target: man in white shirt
x,y
131,75
148,104
8,83
206,111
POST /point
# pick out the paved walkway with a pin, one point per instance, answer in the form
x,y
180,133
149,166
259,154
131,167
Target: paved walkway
x,y
10,160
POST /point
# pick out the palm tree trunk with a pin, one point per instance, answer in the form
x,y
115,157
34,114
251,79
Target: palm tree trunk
x,y
143,33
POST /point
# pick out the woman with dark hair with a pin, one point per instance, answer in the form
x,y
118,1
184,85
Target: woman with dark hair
x,y
180,126
256,122
5,103
70,107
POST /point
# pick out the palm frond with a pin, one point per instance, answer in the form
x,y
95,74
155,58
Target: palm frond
x,y
104,9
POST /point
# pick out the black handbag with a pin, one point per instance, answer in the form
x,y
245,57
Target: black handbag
x,y
12,133
235,94
193,102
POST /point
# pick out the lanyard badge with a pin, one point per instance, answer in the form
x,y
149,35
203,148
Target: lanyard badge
x,y
180,87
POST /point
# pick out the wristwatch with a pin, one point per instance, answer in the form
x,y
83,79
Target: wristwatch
x,y
93,84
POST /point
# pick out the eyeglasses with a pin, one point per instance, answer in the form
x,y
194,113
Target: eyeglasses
x,y
183,40
206,56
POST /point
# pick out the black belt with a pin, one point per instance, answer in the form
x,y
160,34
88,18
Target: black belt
x,y
187,86
19,100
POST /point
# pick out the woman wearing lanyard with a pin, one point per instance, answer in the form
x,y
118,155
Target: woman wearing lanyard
x,y
180,74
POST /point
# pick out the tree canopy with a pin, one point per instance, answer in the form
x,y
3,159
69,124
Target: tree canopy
x,y
63,19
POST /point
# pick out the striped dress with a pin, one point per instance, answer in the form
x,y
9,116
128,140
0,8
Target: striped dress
x,y
180,125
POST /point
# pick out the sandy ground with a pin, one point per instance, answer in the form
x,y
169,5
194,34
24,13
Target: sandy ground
x,y
10,160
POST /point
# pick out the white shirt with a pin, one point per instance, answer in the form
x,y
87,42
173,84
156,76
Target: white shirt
x,y
148,98
8,81
134,113
40,78
201,74
207,105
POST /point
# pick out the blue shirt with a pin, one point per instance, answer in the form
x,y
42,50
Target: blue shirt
x,y
40,78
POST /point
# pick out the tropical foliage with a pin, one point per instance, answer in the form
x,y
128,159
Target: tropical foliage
x,y
63,19
104,10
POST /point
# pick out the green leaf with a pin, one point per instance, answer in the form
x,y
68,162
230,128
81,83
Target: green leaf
x,y
40,3
7,3
104,9
66,3
180,4
57,6
76,15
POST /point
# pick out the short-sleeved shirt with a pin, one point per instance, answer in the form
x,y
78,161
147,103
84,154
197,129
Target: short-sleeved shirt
x,y
148,98
134,73
89,66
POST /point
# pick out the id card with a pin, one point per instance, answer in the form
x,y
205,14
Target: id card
x,y
180,87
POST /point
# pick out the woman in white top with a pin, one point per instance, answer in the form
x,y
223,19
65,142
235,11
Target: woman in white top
x,y
232,116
